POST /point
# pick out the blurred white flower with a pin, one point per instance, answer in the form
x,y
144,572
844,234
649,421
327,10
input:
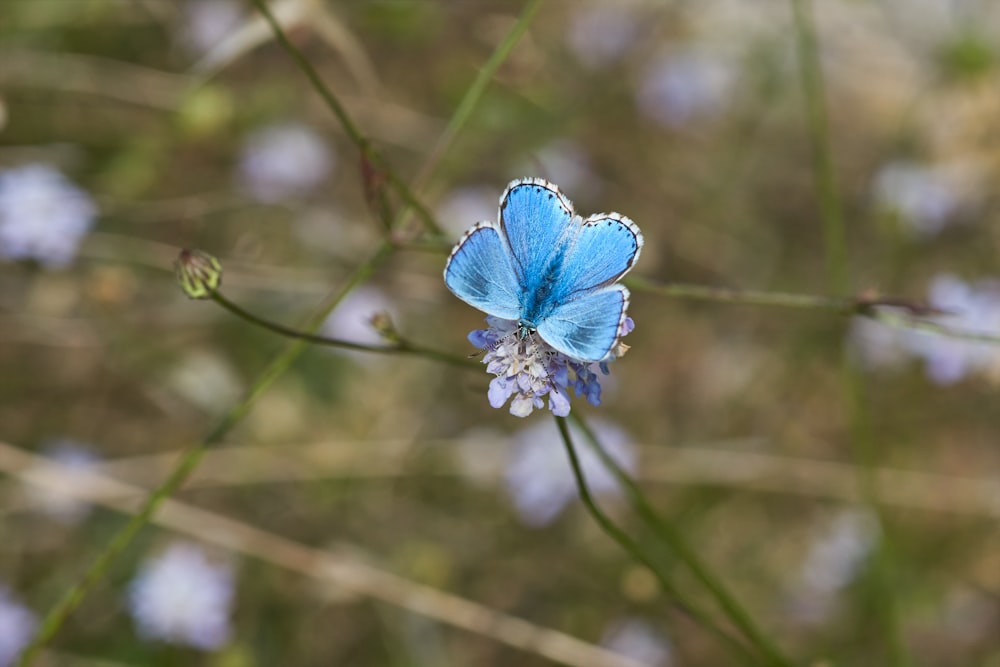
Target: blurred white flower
x,y
567,163
599,34
17,626
206,379
463,207
62,507
283,161
208,22
539,477
923,197
833,561
680,86
836,557
975,308
43,216
182,598
877,345
636,639
351,319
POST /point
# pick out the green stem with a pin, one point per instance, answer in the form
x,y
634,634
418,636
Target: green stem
x,y
96,571
862,442
813,89
747,297
399,347
635,551
476,90
673,539
352,130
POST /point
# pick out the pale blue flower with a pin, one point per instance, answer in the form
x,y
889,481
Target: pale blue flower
x,y
972,308
836,557
181,597
17,627
72,456
285,161
539,477
528,369
681,86
43,216
208,22
637,639
599,34
473,202
923,197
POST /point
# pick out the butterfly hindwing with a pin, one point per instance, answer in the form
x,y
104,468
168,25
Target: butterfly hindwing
x,y
586,327
536,220
479,272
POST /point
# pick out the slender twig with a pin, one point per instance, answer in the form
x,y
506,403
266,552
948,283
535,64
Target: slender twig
x,y
746,297
683,551
353,132
838,268
397,347
635,551
58,614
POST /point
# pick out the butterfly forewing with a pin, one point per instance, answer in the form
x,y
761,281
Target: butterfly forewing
x,y
603,250
480,273
535,218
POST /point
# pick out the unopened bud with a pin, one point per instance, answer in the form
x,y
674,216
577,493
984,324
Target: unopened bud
x,y
198,273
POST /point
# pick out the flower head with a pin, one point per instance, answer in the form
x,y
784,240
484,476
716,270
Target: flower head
x,y
17,625
43,216
527,369
182,598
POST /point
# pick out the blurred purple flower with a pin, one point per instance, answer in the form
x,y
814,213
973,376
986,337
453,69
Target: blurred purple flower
x,y
539,477
636,639
17,626
877,345
599,34
62,507
43,216
832,562
680,86
284,161
352,318
922,196
837,555
208,22
477,203
182,598
528,369
565,161
975,308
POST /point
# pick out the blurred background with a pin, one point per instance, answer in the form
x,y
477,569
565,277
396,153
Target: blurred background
x,y
132,128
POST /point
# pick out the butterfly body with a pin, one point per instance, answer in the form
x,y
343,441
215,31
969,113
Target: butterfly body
x,y
548,269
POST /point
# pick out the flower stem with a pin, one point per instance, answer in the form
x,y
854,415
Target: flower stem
x,y
666,532
399,347
635,551
838,268
96,571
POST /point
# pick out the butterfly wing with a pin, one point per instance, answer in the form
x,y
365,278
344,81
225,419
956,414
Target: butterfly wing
x,y
586,327
536,220
480,273
604,249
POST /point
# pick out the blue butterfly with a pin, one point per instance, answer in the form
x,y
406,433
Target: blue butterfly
x,y
548,269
